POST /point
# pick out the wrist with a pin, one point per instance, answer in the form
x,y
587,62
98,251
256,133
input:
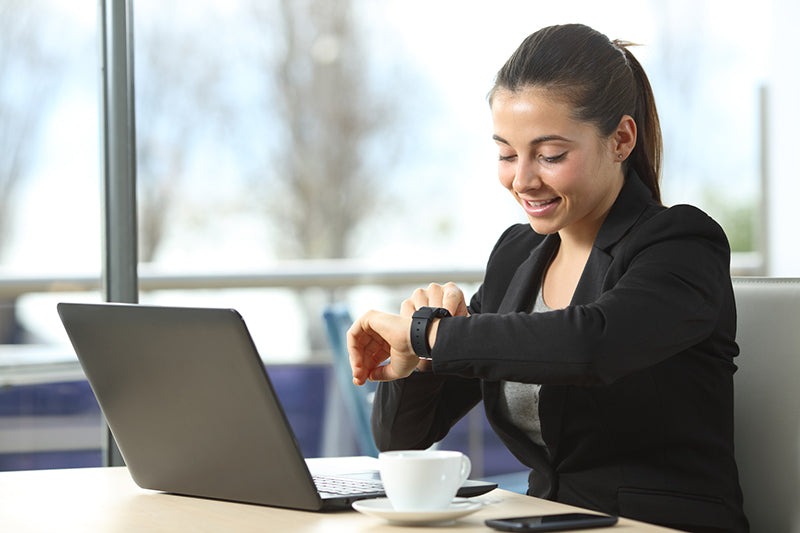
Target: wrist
x,y
432,331
424,365
424,326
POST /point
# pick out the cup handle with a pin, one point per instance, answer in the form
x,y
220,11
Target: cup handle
x,y
466,468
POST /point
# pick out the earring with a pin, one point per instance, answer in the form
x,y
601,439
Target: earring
x,y
619,156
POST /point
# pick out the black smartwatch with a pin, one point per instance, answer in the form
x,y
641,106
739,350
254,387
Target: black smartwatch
x,y
420,324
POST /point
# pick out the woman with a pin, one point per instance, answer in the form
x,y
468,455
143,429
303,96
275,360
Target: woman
x,y
602,338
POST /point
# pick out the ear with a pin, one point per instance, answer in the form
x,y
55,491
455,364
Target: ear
x,y
624,138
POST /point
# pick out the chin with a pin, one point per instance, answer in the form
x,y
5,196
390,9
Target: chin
x,y
546,225
542,229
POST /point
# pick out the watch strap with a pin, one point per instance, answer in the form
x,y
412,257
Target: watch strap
x,y
420,324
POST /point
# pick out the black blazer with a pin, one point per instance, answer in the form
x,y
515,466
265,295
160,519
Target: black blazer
x,y
636,403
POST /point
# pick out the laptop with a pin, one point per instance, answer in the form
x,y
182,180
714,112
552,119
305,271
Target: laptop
x,y
193,411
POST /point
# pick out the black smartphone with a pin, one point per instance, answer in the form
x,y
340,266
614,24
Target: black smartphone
x,y
553,522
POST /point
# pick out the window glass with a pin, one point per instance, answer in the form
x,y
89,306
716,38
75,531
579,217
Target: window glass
x,y
305,130
49,227
275,133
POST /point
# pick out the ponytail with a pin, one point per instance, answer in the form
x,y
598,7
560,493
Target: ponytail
x,y
646,156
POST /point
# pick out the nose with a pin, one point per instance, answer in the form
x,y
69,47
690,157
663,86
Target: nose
x,y
526,176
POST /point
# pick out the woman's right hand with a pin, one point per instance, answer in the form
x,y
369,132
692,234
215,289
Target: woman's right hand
x,y
449,296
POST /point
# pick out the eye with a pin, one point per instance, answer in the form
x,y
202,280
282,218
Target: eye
x,y
502,157
552,159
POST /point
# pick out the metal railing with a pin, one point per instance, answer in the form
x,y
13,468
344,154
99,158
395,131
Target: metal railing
x,y
331,274
28,364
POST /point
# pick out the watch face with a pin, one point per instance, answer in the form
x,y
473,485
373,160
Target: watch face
x,y
431,312
424,312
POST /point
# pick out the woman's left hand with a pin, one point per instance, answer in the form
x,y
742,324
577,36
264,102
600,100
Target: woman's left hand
x,y
376,337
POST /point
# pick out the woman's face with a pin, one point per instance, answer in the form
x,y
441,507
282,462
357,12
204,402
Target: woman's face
x,y
561,171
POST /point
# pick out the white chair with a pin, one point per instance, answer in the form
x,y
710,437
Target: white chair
x,y
767,401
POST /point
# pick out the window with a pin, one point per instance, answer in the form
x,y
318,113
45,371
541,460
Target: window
x,y
272,134
49,226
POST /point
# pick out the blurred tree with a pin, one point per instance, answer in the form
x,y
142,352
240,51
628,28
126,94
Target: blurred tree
x,y
29,77
178,76
306,139
738,217
329,136
325,177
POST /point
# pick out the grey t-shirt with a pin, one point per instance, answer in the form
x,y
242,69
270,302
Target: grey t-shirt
x,y
519,402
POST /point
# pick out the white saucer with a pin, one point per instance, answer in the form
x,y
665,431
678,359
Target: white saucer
x,y
381,508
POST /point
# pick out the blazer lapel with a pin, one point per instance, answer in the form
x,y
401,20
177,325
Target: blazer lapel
x,y
632,201
520,293
591,282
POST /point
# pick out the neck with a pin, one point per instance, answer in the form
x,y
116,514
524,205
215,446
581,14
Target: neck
x,y
579,237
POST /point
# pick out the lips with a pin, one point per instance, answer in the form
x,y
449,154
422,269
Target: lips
x,y
540,207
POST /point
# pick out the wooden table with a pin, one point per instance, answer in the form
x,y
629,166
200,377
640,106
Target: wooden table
x,y
106,500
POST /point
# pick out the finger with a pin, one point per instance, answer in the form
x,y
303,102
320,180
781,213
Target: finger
x,y
364,348
396,369
453,300
370,356
407,308
357,366
383,373
376,336
419,298
431,297
435,295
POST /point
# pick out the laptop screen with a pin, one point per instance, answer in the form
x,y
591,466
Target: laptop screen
x,y
189,402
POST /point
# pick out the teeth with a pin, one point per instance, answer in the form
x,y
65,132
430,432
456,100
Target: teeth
x,y
538,203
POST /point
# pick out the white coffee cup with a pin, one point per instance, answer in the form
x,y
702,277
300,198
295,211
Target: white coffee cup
x,y
422,480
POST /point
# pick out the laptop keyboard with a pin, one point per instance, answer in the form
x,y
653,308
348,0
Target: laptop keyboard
x,y
338,486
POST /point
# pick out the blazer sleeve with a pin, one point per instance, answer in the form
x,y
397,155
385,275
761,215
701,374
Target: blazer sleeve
x,y
416,412
662,293
419,410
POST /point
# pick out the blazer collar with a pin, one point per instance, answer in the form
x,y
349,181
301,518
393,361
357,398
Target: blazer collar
x,y
526,280
632,201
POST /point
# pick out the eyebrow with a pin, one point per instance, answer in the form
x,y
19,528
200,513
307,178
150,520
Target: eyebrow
x,y
538,140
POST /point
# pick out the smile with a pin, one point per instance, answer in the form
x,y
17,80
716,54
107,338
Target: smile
x,y
540,207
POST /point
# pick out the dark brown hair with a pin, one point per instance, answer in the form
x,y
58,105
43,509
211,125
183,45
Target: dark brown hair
x,y
600,79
